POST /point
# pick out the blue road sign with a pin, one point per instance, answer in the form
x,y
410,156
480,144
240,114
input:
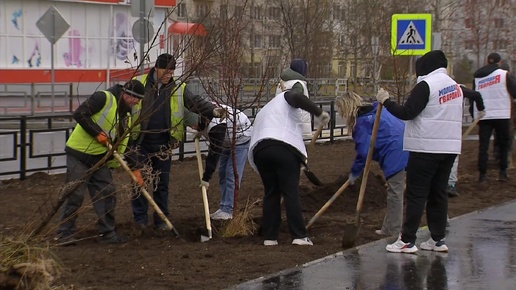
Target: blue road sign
x,y
411,34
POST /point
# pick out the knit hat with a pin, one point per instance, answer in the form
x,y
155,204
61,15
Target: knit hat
x,y
494,58
134,88
299,65
165,61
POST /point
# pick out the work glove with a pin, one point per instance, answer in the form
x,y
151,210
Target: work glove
x,y
103,139
481,114
382,95
322,119
206,184
352,178
220,112
139,179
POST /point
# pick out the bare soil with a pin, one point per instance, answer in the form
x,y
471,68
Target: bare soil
x,y
153,261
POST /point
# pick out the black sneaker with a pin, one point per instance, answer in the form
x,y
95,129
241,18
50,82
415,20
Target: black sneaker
x,y
482,178
502,176
113,239
452,191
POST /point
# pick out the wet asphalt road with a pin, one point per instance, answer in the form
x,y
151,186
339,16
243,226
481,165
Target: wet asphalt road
x,y
482,255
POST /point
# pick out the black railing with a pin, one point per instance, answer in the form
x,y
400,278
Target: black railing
x,y
24,132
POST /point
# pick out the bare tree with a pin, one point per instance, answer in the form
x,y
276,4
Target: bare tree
x,y
231,42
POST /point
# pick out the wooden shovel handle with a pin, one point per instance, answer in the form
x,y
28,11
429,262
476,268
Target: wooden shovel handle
x,y
327,204
144,191
203,188
316,135
369,158
470,128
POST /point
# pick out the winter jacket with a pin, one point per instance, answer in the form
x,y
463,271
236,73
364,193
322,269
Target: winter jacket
x,y
290,75
87,124
150,106
494,83
388,149
433,109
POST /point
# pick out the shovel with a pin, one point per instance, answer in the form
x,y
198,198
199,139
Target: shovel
x,y
470,128
144,191
327,204
204,194
316,135
309,174
351,229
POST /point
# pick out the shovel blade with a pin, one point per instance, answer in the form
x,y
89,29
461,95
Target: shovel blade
x,y
206,234
350,235
312,177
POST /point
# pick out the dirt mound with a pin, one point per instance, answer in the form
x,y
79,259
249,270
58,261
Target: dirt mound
x,y
374,197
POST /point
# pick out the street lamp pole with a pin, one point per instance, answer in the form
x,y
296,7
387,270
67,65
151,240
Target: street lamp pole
x,y
374,44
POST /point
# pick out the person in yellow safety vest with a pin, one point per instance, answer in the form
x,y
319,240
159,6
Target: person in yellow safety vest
x,y
159,127
102,119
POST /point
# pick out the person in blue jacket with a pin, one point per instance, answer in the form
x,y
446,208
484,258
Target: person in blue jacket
x,y
388,152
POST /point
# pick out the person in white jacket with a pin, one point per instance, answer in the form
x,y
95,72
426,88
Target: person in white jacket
x,y
228,137
277,151
498,90
433,133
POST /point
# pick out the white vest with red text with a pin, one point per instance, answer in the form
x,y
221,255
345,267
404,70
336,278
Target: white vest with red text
x,y
438,128
493,89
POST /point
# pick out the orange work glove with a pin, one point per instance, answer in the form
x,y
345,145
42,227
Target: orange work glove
x,y
103,139
139,178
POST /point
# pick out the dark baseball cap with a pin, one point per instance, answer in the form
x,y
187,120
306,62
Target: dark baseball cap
x,y
494,57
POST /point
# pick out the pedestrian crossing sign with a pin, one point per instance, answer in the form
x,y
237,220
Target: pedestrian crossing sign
x,y
411,34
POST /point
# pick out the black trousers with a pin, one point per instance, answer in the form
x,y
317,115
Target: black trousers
x,y
427,179
279,168
485,130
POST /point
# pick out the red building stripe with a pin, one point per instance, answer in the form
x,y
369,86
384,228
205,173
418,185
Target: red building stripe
x,y
166,3
28,76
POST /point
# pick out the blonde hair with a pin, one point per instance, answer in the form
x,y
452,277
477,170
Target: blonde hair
x,y
348,105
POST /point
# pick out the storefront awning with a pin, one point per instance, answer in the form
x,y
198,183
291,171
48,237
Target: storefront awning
x,y
186,28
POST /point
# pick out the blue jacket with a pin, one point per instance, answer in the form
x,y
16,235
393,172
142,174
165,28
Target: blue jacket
x,y
388,149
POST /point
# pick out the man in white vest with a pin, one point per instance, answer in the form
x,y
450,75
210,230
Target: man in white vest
x,y
433,131
497,90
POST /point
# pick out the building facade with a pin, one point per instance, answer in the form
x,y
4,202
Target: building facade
x,y
97,47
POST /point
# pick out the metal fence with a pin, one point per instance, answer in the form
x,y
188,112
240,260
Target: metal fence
x,y
31,144
32,99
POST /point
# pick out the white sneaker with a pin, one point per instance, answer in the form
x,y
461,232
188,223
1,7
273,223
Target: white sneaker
x,y
270,243
401,247
302,242
221,215
215,213
432,245
380,232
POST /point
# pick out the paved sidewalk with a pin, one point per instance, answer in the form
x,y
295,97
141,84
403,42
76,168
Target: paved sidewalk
x,y
482,256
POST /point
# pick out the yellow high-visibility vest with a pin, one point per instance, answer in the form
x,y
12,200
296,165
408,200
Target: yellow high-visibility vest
x,y
176,112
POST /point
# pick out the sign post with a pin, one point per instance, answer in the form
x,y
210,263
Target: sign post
x,y
142,9
374,45
53,26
